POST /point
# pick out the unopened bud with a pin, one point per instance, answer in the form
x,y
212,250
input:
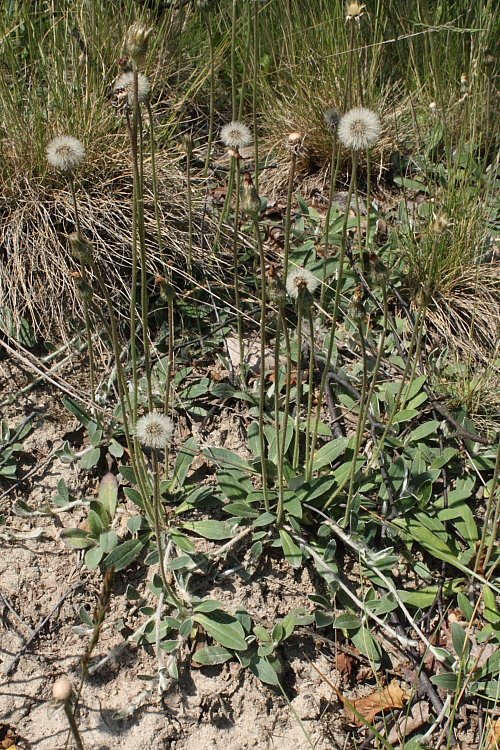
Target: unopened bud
x,y
136,41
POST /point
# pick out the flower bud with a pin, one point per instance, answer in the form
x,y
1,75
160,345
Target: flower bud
x,y
81,248
136,41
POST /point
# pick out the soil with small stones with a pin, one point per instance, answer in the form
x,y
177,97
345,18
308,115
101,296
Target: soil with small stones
x,y
44,584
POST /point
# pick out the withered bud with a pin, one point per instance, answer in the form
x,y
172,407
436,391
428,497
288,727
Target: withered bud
x,y
167,291
62,690
250,201
379,271
83,290
357,308
136,41
81,248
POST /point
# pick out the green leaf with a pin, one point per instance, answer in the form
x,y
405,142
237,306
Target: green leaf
x,y
366,643
209,605
211,655
446,680
90,459
108,540
329,452
209,529
183,462
223,628
128,473
108,493
405,415
424,430
78,411
115,448
125,553
95,523
461,642
227,459
76,538
93,557
134,495
292,552
264,671
242,510
346,622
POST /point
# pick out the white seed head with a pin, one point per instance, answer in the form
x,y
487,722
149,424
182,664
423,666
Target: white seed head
x,y
301,280
65,153
235,135
124,84
62,689
154,430
359,129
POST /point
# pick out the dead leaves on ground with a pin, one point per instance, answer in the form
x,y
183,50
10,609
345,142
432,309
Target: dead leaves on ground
x,y
393,696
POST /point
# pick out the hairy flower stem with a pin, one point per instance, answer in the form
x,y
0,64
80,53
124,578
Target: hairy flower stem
x,y
88,326
359,427
158,511
335,158
236,277
311,385
288,215
170,366
189,151
366,254
211,95
255,89
286,407
73,726
262,380
336,307
298,398
234,81
493,540
152,148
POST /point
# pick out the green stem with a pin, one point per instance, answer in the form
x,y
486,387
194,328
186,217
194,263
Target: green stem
x,y
333,182
288,215
489,508
359,427
336,307
262,380
298,399
236,277
255,89
211,93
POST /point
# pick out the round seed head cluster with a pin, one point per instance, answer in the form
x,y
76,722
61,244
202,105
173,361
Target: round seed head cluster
x,y
299,281
359,129
154,430
125,83
65,153
235,135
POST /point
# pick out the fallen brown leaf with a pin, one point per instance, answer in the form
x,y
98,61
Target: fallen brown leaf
x,y
408,724
344,664
393,696
493,735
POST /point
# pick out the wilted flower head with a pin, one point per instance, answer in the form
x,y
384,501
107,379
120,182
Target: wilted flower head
x,y
354,12
360,128
154,430
357,308
250,201
65,153
379,271
136,41
235,135
81,248
332,118
123,89
301,280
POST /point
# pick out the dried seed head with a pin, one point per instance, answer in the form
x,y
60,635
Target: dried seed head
x,y
65,153
379,271
439,224
83,289
123,90
62,690
359,129
136,41
332,118
250,201
154,430
354,12
235,135
356,308
81,248
299,281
